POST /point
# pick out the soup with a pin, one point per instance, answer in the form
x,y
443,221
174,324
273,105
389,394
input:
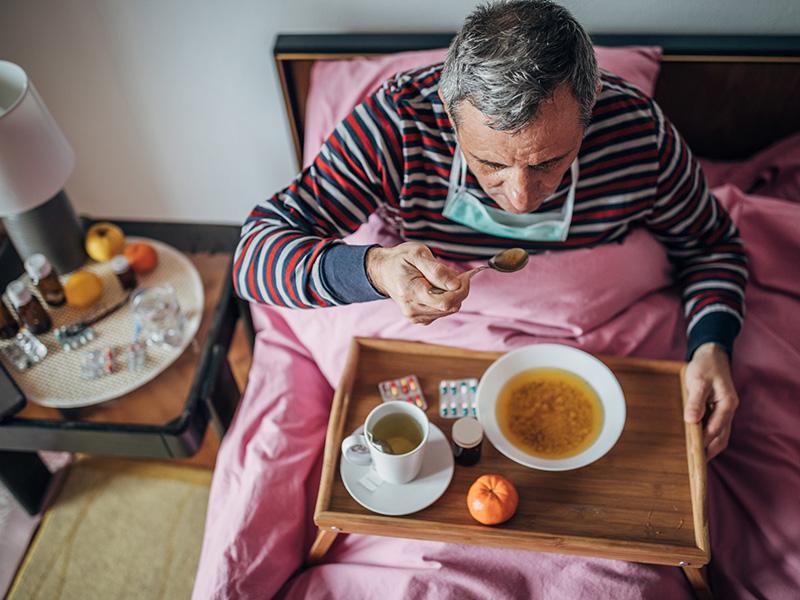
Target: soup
x,y
549,413
398,433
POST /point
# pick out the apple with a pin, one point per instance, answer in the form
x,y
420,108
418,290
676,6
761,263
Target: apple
x,y
104,241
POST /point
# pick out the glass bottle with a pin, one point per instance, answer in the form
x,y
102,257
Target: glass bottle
x,y
46,279
467,435
122,269
29,309
8,324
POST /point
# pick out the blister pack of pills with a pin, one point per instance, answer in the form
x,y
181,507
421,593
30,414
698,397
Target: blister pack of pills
x,y
25,351
112,359
458,398
404,389
72,337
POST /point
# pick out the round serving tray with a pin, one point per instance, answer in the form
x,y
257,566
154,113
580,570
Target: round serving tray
x,y
56,381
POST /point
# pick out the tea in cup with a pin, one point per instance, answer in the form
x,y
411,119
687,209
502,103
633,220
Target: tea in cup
x,y
393,440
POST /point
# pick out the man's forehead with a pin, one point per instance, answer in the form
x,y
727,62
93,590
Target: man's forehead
x,y
555,129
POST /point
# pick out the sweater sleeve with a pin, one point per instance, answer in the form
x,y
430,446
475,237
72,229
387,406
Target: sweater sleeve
x,y
281,255
702,242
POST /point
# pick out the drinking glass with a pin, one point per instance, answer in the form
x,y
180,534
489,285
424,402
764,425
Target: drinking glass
x,y
159,315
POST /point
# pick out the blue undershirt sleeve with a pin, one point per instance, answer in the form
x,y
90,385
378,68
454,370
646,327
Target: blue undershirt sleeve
x,y
344,274
719,327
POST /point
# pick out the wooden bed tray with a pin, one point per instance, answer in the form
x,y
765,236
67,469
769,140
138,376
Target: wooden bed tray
x,y
645,501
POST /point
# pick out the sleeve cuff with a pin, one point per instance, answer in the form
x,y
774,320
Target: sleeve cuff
x,y
718,327
344,274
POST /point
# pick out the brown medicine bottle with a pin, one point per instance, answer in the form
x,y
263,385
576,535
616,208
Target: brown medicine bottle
x,y
30,311
8,324
467,435
124,272
46,279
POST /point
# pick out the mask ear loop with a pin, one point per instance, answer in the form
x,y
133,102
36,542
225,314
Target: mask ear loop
x,y
463,181
570,204
457,176
575,171
458,171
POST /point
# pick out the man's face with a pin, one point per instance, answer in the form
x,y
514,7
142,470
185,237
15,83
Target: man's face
x,y
519,171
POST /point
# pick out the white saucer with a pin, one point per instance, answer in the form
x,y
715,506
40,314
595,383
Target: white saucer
x,y
376,495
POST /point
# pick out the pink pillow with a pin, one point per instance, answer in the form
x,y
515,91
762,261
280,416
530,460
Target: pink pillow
x,y
336,86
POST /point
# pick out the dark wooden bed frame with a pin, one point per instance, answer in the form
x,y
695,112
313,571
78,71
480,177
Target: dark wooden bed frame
x,y
730,96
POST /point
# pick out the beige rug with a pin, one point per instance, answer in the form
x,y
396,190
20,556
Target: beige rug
x,y
118,529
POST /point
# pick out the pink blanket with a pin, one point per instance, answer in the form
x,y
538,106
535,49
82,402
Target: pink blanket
x,y
615,299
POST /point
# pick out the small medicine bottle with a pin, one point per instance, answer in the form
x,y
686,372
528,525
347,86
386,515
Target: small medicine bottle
x,y
46,279
467,436
8,324
124,272
29,309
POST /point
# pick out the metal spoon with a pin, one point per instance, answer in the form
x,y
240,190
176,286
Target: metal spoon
x,y
506,261
383,446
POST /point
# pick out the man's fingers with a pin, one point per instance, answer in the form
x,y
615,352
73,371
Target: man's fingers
x,y
413,274
421,314
418,295
720,420
724,404
445,303
423,320
709,386
438,274
697,392
717,445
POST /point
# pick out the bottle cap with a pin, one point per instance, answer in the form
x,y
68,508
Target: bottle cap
x,y
119,264
18,293
37,267
467,432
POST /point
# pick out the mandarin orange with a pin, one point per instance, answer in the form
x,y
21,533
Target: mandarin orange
x,y
142,257
492,499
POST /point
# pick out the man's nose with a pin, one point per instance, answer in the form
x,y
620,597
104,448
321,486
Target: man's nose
x,y
523,192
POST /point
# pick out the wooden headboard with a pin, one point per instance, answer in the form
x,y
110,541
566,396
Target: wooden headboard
x,y
729,96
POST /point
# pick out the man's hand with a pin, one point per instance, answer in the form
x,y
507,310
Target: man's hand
x,y
709,384
406,274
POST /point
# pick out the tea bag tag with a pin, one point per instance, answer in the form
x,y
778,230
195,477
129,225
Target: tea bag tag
x,y
355,449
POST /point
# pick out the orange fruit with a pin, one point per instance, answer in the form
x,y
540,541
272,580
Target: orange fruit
x,y
82,289
492,499
142,257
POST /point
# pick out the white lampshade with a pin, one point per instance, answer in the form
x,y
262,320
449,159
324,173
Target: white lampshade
x,y
35,157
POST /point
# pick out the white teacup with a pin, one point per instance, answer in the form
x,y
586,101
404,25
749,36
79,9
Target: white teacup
x,y
359,448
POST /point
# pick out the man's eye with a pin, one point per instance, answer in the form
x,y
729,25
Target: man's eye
x,y
494,167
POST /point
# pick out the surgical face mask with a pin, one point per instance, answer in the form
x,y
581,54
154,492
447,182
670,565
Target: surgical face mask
x,y
463,207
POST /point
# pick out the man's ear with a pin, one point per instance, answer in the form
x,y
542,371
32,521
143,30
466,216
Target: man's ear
x,y
446,108
444,102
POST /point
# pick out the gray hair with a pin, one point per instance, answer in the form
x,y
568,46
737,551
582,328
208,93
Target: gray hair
x,y
509,57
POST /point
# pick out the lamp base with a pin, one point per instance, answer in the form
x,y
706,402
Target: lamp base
x,y
52,229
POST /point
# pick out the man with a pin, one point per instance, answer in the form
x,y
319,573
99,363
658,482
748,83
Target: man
x,y
516,141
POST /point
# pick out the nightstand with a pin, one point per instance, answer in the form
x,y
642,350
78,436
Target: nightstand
x,y
166,418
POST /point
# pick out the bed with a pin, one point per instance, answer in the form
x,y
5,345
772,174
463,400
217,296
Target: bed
x,y
734,100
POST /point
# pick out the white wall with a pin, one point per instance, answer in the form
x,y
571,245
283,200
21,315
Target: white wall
x,y
173,106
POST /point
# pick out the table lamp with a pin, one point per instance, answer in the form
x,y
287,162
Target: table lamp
x,y
35,162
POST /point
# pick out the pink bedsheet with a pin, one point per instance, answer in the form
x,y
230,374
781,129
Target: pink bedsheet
x,y
615,299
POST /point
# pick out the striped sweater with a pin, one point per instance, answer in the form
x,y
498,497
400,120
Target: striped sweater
x,y
392,155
